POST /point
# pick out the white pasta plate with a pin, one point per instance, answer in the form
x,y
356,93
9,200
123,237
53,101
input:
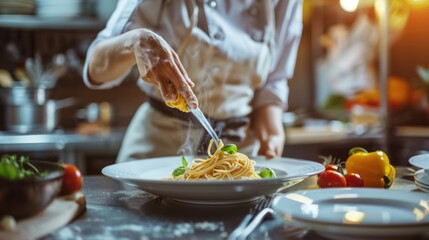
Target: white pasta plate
x,y
356,213
149,175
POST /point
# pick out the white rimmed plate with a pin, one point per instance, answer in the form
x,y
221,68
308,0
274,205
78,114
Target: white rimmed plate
x,y
148,176
421,187
420,161
422,177
357,213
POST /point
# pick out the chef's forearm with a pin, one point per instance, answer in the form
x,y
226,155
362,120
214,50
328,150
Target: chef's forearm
x,y
111,58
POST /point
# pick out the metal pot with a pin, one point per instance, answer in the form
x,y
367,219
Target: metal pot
x,y
19,94
29,109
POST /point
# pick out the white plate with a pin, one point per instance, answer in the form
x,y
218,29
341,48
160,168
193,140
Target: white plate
x,y
357,213
420,161
421,176
148,175
422,187
422,184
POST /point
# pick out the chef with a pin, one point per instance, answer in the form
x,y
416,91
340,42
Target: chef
x,y
232,59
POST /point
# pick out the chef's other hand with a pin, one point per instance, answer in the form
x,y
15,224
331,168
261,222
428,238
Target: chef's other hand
x,y
160,65
272,146
268,127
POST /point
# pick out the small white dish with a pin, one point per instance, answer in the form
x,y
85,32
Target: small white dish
x,y
357,213
149,174
422,184
420,161
422,187
422,177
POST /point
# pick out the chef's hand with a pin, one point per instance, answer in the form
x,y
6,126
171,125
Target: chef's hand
x,y
159,64
156,61
268,127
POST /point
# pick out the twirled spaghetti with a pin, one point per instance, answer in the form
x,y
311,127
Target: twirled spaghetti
x,y
221,165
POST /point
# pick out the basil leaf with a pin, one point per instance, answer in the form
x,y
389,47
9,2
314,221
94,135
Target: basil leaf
x,y
184,162
267,173
179,171
229,148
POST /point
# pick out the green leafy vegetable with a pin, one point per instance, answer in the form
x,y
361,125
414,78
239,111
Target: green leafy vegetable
x,y
181,170
267,173
229,148
184,162
13,168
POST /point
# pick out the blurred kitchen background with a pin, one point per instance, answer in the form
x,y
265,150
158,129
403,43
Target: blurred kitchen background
x,y
362,79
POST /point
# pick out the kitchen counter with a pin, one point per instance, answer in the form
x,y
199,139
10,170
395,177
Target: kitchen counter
x,y
117,211
408,141
70,146
311,142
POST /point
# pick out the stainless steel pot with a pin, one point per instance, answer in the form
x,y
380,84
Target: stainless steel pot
x,y
28,109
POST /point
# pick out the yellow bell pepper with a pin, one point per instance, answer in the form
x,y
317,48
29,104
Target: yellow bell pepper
x,y
373,167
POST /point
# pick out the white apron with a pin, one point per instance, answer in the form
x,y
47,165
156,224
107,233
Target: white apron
x,y
224,82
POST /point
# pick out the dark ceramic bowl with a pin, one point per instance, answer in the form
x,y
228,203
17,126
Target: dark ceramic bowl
x,y
27,197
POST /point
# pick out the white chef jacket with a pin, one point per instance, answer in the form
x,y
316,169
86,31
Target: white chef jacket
x,y
239,54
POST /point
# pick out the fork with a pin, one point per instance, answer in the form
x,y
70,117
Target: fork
x,y
252,219
260,212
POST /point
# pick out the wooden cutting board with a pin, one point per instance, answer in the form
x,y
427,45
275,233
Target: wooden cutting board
x,y
58,214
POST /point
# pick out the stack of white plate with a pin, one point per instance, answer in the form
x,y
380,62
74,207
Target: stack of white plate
x,y
355,213
421,177
59,8
17,6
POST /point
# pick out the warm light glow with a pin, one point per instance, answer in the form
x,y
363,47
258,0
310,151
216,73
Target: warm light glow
x,y
346,196
418,3
353,217
421,213
300,198
379,8
307,207
349,5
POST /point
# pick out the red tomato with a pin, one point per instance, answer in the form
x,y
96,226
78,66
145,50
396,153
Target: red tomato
x,y
354,180
330,179
330,167
72,180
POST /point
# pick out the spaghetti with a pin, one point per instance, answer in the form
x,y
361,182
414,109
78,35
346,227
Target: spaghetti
x,y
224,164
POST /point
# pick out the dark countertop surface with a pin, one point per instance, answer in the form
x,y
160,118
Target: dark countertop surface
x,y
117,211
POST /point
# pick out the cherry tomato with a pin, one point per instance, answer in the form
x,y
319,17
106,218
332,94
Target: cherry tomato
x,y
330,167
354,180
330,179
72,180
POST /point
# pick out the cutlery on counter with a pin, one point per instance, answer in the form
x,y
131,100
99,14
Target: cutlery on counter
x,y
260,212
